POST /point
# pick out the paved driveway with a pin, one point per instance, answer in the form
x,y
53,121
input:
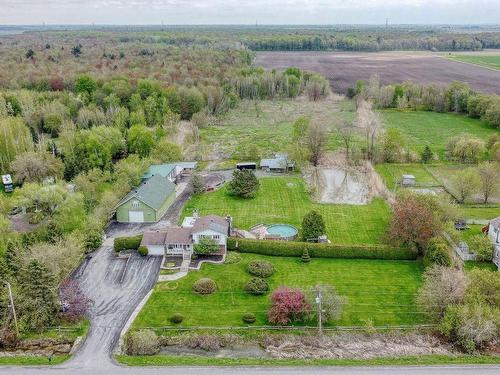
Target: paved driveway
x,y
116,286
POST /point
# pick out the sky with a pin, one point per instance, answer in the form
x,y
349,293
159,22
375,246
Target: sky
x,y
196,12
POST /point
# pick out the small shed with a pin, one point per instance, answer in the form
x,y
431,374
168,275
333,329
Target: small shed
x,y
247,165
408,180
7,183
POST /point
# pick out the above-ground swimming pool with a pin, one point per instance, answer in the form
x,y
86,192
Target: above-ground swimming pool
x,y
285,231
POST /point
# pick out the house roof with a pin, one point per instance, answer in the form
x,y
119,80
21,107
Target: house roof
x,y
213,222
495,222
152,192
165,169
178,235
278,162
153,238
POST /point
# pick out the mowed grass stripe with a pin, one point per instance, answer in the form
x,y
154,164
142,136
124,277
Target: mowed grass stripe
x,y
285,200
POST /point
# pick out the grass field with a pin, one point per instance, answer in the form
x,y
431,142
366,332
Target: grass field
x,y
381,291
488,61
32,360
434,129
479,212
285,200
392,174
424,360
268,124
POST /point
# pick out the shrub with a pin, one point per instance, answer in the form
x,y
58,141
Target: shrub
x,y
144,342
256,286
8,338
205,286
437,253
244,184
143,251
206,246
204,342
482,246
260,268
320,250
249,318
177,318
127,243
232,258
288,305
306,258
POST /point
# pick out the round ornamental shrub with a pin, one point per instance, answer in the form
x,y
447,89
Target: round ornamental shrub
x,y
256,286
205,286
249,318
177,318
260,268
143,250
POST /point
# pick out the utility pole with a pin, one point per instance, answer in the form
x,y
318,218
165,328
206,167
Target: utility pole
x,y
320,310
13,308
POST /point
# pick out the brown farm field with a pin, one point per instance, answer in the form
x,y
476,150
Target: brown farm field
x,y
343,69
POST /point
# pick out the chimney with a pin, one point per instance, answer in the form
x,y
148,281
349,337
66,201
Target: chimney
x,y
229,220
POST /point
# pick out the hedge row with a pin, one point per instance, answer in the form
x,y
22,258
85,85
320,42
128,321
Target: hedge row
x,y
127,243
319,250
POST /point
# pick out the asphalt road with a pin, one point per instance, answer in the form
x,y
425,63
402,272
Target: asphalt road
x,y
441,370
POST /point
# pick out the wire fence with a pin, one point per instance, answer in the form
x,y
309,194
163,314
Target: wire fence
x,y
295,328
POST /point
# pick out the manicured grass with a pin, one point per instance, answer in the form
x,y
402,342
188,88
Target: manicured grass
x,y
434,129
488,61
393,173
425,360
268,124
285,200
479,212
379,291
32,360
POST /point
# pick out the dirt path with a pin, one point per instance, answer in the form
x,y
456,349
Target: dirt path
x,y
115,286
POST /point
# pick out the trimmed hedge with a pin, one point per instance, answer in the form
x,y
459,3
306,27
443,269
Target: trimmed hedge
x,y
319,250
127,243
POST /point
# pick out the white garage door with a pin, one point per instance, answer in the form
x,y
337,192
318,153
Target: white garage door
x,y
136,216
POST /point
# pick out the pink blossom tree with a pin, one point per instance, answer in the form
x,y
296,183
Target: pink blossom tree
x,y
287,305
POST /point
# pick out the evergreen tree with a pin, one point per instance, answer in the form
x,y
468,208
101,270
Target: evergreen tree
x,y
426,155
313,226
244,184
39,302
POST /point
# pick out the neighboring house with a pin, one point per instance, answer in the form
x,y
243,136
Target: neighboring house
x,y
148,202
172,171
180,241
280,163
494,234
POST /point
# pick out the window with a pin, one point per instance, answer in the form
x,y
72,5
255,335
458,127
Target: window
x,y
135,203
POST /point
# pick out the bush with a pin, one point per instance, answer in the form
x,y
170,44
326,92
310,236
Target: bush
x,y
320,250
205,286
249,318
144,342
313,226
244,184
127,243
306,258
177,318
260,268
437,253
288,305
143,251
482,246
256,286
232,258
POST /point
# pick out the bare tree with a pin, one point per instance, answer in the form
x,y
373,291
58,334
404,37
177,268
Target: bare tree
x,y
488,180
370,122
316,141
346,134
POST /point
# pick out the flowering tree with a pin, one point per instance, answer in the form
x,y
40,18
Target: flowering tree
x,y
74,303
287,305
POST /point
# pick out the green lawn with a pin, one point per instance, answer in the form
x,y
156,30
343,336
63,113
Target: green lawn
x,y
392,174
488,61
285,200
32,360
434,129
479,212
424,360
381,291
471,264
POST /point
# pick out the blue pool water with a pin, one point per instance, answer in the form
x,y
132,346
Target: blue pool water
x,y
283,230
